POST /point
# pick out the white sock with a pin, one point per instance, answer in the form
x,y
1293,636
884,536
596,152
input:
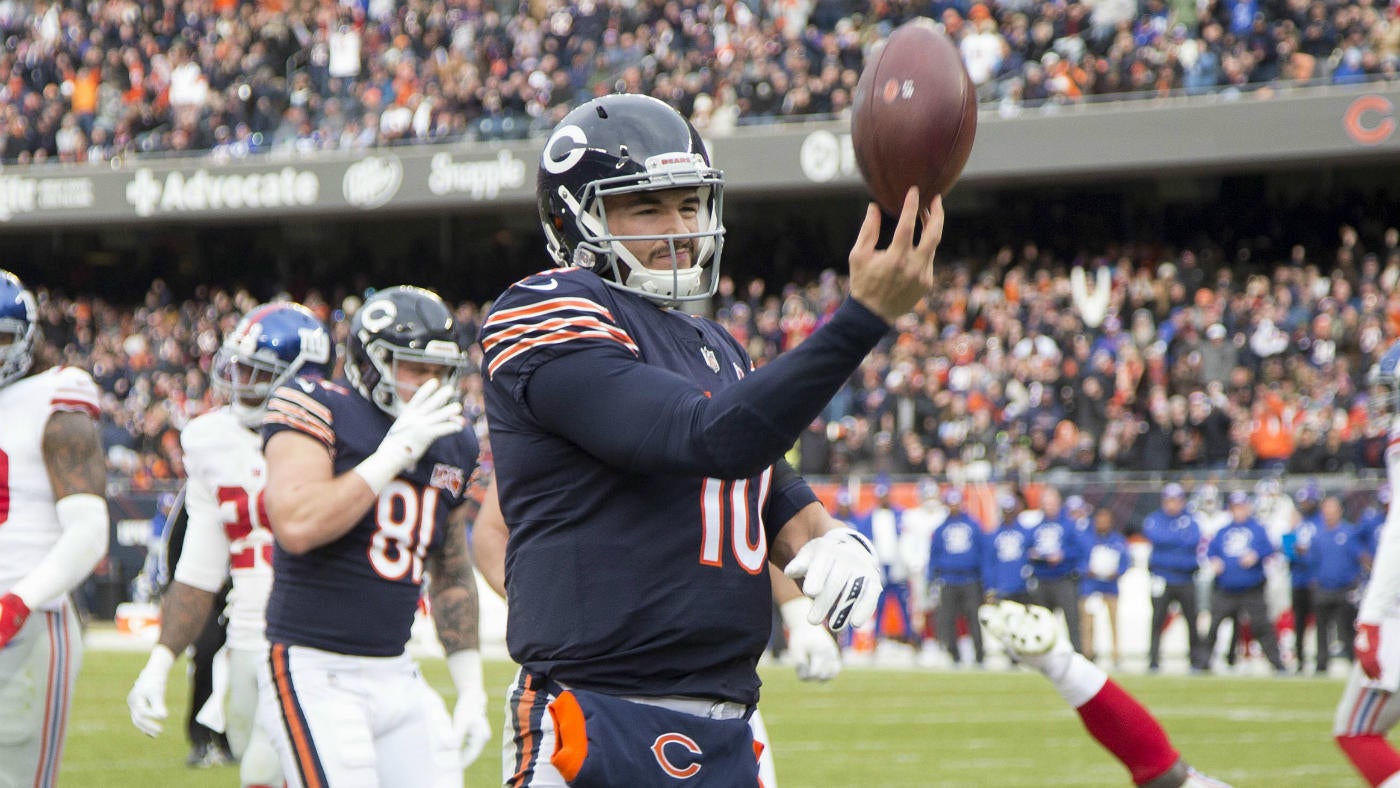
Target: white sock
x,y
1076,678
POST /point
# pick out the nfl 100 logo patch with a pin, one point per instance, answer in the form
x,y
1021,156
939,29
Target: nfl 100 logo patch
x,y
448,477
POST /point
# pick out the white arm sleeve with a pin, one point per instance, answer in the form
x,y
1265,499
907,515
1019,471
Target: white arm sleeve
x,y
204,558
1383,592
84,520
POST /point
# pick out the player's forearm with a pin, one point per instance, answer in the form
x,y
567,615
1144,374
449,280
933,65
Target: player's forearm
x,y
80,546
1383,590
675,428
452,590
489,537
455,614
312,514
183,613
808,524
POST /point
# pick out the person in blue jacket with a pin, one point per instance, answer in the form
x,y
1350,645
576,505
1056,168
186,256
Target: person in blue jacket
x,y
1176,540
1335,564
1108,559
1296,544
1004,570
1237,554
1056,557
956,556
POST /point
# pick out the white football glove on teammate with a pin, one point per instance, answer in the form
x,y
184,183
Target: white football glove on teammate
x,y
431,414
147,697
813,649
840,573
469,723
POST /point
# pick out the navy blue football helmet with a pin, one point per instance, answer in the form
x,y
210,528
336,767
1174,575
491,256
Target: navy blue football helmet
x,y
620,144
19,326
397,325
1384,383
271,345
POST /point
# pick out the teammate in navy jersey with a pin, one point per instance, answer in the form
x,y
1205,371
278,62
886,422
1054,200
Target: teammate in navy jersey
x,y
367,492
634,451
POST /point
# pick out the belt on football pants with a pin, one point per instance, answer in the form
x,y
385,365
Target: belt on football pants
x,y
699,707
709,708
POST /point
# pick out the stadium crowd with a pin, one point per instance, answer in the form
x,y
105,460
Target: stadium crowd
x,y
1005,374
90,81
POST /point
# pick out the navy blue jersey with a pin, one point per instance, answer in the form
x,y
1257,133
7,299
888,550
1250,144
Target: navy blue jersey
x,y
636,565
357,595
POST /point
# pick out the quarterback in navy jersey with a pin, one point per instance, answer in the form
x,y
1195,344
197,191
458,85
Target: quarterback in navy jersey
x,y
366,493
634,451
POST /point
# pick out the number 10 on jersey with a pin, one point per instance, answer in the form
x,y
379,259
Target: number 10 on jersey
x,y
727,501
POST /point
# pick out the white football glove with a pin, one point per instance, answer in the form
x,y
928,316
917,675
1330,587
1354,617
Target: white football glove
x,y
813,649
147,697
840,573
431,414
469,724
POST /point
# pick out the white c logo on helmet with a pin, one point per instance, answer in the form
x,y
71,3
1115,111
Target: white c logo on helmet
x,y
379,315
571,132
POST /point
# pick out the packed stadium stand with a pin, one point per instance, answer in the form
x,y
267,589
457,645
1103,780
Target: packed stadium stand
x,y
103,80
1002,377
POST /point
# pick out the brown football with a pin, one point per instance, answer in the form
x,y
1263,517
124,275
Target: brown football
x,y
914,116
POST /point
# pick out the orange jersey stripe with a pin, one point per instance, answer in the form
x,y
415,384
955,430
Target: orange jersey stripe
x,y
308,428
556,324
556,338
317,409
544,307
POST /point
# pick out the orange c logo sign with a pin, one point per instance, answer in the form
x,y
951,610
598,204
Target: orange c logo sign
x,y
658,748
1369,130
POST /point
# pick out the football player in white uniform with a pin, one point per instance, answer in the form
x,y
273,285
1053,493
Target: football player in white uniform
x,y
1115,719
228,533
1368,710
53,531
811,647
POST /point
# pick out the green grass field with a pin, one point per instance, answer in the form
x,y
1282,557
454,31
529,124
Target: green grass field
x,y
869,727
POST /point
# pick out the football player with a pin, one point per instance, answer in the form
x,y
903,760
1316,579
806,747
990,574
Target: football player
x,y
1368,711
810,646
227,534
367,492
634,451
1116,720
53,531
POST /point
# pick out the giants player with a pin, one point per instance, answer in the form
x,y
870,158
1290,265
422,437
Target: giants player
x,y
1368,709
53,531
812,649
366,493
1115,719
228,533
634,455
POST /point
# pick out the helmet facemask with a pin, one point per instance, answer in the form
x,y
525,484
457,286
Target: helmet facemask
x,y
1383,394
16,348
605,253
384,358
248,379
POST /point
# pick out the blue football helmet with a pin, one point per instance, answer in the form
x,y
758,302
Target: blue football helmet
x,y
394,326
620,144
271,345
1384,383
19,326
